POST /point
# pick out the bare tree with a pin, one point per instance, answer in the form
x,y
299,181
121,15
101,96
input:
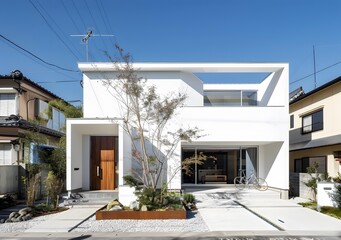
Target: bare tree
x,y
147,120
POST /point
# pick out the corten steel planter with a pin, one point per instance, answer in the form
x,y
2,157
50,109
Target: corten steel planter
x,y
101,214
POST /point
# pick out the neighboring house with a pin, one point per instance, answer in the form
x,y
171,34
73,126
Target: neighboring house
x,y
245,126
315,129
21,102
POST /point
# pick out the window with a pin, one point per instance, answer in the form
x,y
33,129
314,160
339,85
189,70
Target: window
x,y
230,98
57,121
5,154
41,109
291,121
302,164
41,153
312,122
7,104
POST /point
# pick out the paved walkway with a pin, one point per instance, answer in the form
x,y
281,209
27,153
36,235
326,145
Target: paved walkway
x,y
67,220
252,210
227,210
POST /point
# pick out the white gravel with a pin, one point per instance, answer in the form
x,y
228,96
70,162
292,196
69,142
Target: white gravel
x,y
22,226
194,223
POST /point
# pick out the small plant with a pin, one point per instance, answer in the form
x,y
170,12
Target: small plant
x,y
331,211
310,204
312,182
189,198
337,179
53,187
336,196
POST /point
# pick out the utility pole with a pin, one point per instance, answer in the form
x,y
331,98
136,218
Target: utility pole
x,y
314,67
86,37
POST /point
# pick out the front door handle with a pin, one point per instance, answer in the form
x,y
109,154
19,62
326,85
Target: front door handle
x,y
97,171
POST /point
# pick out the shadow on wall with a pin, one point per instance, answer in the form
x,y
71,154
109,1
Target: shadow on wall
x,y
272,150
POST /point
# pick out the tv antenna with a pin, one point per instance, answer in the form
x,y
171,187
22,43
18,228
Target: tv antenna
x,y
86,37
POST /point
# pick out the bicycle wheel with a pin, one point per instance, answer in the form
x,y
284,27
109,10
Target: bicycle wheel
x,y
239,183
260,184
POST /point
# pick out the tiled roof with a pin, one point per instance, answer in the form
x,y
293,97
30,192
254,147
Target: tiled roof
x,y
30,82
328,84
14,121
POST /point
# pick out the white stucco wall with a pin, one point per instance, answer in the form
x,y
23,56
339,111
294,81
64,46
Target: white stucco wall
x,y
265,125
78,132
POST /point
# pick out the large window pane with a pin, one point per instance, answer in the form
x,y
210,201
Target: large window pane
x,y
230,98
5,154
7,104
249,98
307,124
312,122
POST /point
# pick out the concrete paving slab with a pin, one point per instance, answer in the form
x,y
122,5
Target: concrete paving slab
x,y
67,220
250,210
298,219
233,219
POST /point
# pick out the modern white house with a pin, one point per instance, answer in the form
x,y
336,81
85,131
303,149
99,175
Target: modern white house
x,y
245,126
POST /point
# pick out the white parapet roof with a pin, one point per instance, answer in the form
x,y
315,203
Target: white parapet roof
x,y
188,67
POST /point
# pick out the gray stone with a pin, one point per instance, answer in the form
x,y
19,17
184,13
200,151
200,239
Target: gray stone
x,y
144,208
27,217
165,201
24,211
14,219
134,205
2,220
12,214
116,208
8,220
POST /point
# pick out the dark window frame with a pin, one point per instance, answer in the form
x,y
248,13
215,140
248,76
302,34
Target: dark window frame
x,y
304,162
316,124
292,121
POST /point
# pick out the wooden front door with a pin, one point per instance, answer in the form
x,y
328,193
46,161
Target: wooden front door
x,y
102,163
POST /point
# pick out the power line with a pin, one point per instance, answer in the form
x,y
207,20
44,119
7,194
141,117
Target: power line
x,y
312,74
80,16
63,81
35,56
48,24
70,16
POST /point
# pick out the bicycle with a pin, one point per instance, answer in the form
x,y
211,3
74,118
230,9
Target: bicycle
x,y
241,181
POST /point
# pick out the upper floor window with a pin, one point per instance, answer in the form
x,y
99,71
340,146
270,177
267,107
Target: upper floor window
x,y
57,121
230,98
292,125
312,122
7,104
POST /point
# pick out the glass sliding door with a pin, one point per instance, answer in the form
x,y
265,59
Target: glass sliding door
x,y
222,165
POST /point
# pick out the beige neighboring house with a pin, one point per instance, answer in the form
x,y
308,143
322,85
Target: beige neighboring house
x,y
21,102
315,129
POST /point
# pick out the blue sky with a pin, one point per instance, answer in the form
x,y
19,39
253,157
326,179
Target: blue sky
x,y
170,31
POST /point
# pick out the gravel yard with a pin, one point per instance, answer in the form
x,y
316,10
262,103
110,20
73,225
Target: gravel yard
x,y
194,223
22,226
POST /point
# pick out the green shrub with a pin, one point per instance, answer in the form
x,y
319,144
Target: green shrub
x,y
189,198
336,196
331,211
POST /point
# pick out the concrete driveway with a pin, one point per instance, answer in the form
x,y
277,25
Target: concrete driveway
x,y
228,209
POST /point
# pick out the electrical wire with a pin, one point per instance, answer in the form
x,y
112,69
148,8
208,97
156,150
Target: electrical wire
x,y
60,29
80,16
63,81
93,19
51,28
70,16
35,56
312,74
